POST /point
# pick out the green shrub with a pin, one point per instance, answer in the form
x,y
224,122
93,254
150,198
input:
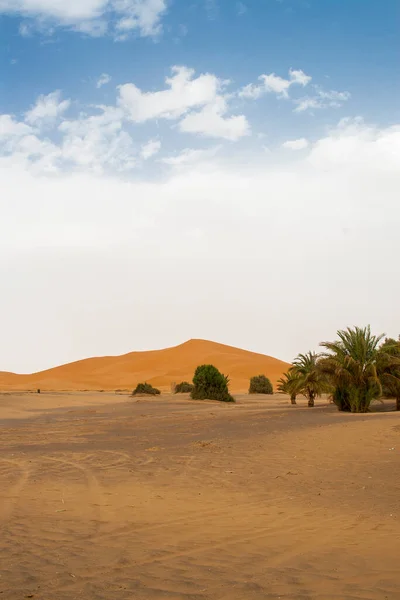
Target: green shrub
x,y
260,385
210,384
183,388
145,388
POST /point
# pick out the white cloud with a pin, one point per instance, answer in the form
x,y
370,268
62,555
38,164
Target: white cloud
x,y
73,10
299,144
47,109
322,99
190,156
298,76
149,149
40,156
95,28
184,92
251,91
9,127
142,15
90,142
275,84
278,85
211,121
98,141
21,148
94,17
203,228
353,144
103,80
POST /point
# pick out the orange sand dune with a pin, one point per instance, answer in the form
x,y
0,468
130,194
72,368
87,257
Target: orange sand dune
x,y
159,367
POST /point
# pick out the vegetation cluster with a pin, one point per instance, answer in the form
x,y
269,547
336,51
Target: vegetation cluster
x,y
210,384
353,370
183,388
260,384
145,388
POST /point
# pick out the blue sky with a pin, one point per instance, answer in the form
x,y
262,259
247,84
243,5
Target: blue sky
x,y
236,138
346,46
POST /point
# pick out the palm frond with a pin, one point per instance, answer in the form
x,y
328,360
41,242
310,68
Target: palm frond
x,y
351,363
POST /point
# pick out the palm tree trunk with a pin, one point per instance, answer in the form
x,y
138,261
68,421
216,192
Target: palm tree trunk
x,y
293,399
311,400
397,403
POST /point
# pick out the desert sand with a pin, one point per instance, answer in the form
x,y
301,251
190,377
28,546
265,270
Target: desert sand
x,y
107,497
161,368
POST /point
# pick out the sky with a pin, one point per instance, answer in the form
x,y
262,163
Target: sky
x,y
177,169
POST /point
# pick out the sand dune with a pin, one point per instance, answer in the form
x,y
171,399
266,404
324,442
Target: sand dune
x,y
159,367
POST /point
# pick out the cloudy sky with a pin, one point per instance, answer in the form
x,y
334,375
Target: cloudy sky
x,y
175,169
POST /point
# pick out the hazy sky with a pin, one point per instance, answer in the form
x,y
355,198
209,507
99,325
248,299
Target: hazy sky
x,y
172,169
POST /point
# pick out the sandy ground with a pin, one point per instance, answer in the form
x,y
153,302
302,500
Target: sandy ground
x,y
102,497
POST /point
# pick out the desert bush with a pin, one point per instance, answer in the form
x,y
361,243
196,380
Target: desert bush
x,y
145,388
210,384
260,384
183,388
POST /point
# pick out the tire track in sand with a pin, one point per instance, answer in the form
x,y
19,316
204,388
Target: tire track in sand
x,y
10,495
95,492
315,543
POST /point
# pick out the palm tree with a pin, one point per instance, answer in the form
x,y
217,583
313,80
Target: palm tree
x,y
287,384
388,366
311,381
351,366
